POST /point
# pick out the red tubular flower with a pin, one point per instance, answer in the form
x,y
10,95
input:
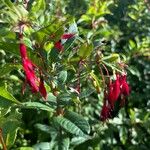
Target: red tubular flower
x,y
42,88
114,91
115,97
67,36
23,50
125,90
29,67
59,46
31,78
105,112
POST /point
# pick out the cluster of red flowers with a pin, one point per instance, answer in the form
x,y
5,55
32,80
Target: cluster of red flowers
x,y
116,91
36,83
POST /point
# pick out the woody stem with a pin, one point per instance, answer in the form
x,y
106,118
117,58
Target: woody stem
x,y
2,140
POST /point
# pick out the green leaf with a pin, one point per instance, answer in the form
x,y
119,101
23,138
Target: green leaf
x,y
37,105
12,128
13,9
38,7
62,144
78,120
78,140
86,93
132,44
8,3
47,129
42,146
62,76
111,58
25,148
51,32
48,46
85,50
7,68
68,126
10,47
65,99
96,81
5,94
10,125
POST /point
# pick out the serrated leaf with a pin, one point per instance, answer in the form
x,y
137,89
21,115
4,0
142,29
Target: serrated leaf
x,y
68,126
5,94
37,105
85,50
78,120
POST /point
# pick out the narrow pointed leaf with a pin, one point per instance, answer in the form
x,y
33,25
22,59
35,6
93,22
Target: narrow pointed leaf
x,y
5,94
78,120
68,126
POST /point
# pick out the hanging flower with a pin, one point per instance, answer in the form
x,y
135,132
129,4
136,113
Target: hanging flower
x,y
125,90
28,67
67,36
114,91
35,84
23,51
114,97
105,112
58,45
31,78
42,88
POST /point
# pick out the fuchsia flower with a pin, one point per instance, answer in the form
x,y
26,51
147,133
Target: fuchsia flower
x,y
114,91
31,78
29,69
67,36
58,45
105,112
23,51
125,90
42,88
113,95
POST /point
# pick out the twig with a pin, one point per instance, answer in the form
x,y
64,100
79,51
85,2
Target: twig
x,y
2,140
